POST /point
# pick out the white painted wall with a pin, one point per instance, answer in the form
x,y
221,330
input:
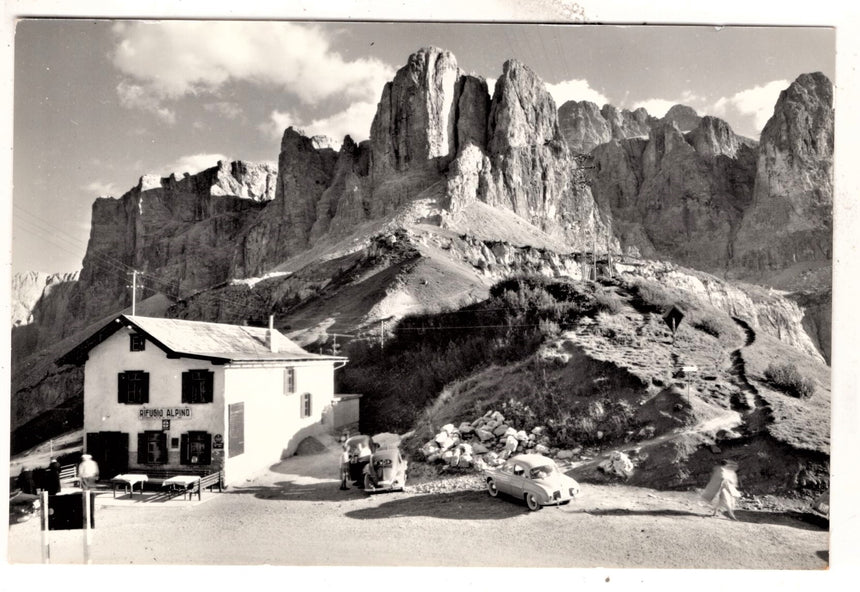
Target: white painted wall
x,y
102,412
273,423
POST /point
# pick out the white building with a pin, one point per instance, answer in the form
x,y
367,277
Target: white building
x,y
184,396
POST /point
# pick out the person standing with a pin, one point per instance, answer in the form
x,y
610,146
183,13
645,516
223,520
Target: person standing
x,y
722,489
344,467
53,477
88,472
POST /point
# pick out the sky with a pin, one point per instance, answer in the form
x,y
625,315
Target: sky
x,y
98,103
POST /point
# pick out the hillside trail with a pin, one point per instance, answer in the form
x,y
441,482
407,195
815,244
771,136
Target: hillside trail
x,y
746,403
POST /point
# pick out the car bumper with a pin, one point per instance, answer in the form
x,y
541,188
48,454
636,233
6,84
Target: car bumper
x,y
387,485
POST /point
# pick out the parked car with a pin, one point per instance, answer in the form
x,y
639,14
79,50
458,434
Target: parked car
x,y
360,449
533,478
22,506
386,471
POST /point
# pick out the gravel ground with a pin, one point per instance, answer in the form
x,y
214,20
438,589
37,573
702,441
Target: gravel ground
x,y
294,514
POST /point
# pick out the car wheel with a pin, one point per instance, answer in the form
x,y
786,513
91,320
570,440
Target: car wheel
x,y
492,488
532,502
368,482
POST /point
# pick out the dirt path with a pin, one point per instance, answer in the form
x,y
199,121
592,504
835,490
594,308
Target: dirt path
x,y
294,514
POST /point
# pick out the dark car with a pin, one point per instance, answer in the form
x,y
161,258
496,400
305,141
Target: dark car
x,y
386,471
22,506
360,449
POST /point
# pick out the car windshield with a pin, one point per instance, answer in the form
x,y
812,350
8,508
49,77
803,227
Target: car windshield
x,y
542,472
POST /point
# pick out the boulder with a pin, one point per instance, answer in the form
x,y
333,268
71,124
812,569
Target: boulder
x,y
511,444
521,435
448,428
501,430
478,448
564,454
541,449
465,428
484,435
497,417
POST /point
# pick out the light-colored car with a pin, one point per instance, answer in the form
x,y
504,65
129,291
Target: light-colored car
x,y
22,506
386,471
533,478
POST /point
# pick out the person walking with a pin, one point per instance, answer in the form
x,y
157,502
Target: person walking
x,y
88,472
722,489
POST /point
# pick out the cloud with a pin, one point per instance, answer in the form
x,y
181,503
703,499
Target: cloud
x,y
353,121
756,103
100,188
135,96
575,90
168,60
192,164
659,107
655,107
224,108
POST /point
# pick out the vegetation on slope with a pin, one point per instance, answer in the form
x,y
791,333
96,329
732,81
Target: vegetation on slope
x,y
429,351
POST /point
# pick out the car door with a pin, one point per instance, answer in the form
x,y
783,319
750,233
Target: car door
x,y
504,476
519,474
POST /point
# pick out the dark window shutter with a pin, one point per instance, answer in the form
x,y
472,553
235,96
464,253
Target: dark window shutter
x,y
141,449
122,388
162,446
145,387
183,450
206,457
209,386
186,387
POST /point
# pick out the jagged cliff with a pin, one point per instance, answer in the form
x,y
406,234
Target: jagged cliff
x,y
790,219
499,180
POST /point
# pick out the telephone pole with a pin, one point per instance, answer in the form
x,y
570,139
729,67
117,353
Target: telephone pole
x,y
133,292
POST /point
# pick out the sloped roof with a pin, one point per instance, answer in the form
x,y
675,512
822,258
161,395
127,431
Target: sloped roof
x,y
217,342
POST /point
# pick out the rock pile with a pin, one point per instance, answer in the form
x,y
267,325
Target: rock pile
x,y
487,442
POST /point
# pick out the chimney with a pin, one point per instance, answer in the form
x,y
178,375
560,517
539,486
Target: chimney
x,y
272,347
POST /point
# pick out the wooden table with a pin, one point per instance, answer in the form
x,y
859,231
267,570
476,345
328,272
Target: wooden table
x,y
128,481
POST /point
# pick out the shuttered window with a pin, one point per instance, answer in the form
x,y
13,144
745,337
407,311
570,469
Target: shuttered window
x,y
289,380
197,386
236,429
305,410
133,387
152,448
195,448
137,342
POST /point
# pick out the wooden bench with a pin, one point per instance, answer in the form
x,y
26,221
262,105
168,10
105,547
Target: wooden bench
x,y
69,476
209,481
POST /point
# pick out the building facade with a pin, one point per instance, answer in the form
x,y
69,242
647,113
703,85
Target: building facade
x,y
184,396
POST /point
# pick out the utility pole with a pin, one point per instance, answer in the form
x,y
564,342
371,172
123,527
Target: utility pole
x,y
133,292
594,251
382,332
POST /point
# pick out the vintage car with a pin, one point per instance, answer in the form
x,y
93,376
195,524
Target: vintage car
x,y
386,471
360,449
22,506
534,479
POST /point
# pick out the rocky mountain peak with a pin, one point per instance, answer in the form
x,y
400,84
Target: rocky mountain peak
x,y
683,116
523,112
713,136
791,216
415,120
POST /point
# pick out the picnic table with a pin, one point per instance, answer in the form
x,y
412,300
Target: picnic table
x,y
128,481
183,483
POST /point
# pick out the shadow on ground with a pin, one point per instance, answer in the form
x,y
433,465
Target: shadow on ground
x,y
802,520
626,512
460,505
292,491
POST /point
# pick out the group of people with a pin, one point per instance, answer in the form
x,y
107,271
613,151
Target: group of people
x,y
30,481
360,453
